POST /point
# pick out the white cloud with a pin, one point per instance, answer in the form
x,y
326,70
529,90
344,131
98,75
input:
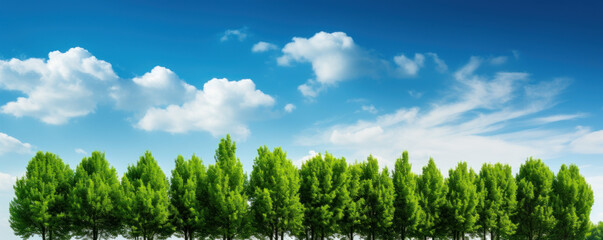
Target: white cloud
x,y
289,107
263,47
65,86
7,181
158,88
221,107
240,34
597,210
303,159
475,121
557,118
591,143
440,64
80,151
415,94
407,66
369,108
10,144
498,60
334,58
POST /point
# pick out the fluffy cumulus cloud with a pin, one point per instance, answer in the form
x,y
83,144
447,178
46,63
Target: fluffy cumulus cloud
x,y
289,107
219,108
334,58
477,122
263,47
65,86
7,181
160,87
239,34
10,144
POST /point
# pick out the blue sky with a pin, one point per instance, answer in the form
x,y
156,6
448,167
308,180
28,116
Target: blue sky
x,y
472,81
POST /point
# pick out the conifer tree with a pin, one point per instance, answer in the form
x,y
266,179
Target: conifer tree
x,y
324,195
40,206
535,219
274,194
378,191
145,202
432,200
408,212
94,200
572,201
227,199
353,216
187,211
496,208
461,201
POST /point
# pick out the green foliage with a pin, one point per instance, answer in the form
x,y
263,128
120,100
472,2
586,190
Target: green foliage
x,y
572,201
378,191
324,195
40,206
595,232
227,212
188,209
145,202
534,217
274,187
461,201
497,194
432,199
408,212
353,214
94,200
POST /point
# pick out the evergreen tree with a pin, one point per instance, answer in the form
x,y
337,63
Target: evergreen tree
x,y
378,191
324,195
145,202
227,199
432,199
534,217
41,199
353,216
408,212
95,199
274,187
572,201
461,201
187,211
496,208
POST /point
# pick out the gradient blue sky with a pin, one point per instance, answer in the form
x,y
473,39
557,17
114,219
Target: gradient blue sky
x,y
475,81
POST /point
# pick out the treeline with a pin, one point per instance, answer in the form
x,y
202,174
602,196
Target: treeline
x,y
327,198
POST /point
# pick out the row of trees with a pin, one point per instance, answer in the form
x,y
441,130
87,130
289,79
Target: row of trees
x,y
328,197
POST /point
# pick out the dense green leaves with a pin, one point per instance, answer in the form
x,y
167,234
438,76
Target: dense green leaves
x,y
572,202
274,195
145,202
40,206
94,200
534,206
326,199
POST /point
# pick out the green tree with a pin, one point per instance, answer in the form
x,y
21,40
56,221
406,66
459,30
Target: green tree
x,y
353,215
535,219
496,208
378,191
41,199
461,201
145,202
227,199
595,232
274,194
572,202
95,199
324,195
432,199
187,210
408,212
